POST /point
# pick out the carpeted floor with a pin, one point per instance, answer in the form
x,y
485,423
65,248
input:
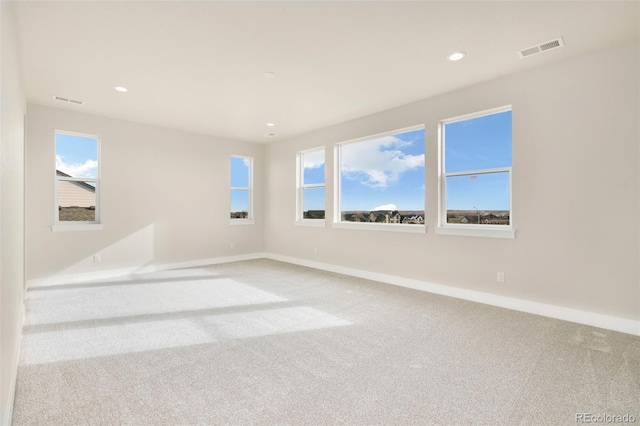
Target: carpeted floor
x,y
264,342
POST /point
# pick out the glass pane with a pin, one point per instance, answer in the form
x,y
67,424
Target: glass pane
x,y
240,172
484,199
76,156
313,203
313,167
478,143
239,204
76,201
383,176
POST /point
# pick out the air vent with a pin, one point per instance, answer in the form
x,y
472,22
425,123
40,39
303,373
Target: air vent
x,y
73,101
541,48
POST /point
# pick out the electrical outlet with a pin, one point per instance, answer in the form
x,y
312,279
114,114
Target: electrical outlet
x,y
233,245
96,258
500,277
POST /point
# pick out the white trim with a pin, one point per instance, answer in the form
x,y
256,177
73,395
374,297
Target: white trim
x,y
489,111
552,311
383,134
112,273
78,226
373,226
472,231
242,222
317,223
8,414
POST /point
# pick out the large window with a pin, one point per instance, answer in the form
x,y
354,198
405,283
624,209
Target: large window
x,y
310,187
77,179
380,181
475,174
241,211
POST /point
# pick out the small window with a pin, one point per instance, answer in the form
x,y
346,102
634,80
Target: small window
x,y
380,182
77,179
475,179
241,211
310,187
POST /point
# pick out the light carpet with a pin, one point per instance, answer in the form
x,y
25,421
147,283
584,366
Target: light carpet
x,y
264,342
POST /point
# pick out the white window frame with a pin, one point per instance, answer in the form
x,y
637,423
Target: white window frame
x,y
301,186
479,230
94,225
337,193
249,220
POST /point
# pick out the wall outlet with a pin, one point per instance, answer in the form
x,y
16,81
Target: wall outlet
x,y
96,258
233,245
500,277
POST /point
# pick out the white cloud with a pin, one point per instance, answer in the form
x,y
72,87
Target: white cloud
x,y
385,207
246,161
378,162
313,159
86,169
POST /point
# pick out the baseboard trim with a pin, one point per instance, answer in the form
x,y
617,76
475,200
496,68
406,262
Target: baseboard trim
x,y
114,273
14,375
552,311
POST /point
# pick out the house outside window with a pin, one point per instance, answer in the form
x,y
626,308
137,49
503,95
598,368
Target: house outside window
x,y
380,182
476,174
77,181
310,187
241,206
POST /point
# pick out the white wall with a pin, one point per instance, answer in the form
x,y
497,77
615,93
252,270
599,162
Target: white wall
x,y
575,197
12,108
164,197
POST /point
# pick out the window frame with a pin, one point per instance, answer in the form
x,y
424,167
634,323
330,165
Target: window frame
x,y
79,225
337,193
249,220
301,186
477,230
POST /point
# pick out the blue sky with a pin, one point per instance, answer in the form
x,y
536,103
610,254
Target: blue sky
x,y
478,143
384,173
77,156
239,178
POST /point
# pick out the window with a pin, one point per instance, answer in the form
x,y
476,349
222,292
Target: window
x,y
241,190
475,175
310,188
77,186
380,182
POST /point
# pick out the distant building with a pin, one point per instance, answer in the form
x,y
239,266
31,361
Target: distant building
x,y
464,220
74,193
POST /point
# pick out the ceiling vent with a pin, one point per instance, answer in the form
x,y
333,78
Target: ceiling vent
x,y
533,50
73,101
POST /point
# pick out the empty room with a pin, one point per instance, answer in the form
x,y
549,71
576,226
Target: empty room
x,y
300,212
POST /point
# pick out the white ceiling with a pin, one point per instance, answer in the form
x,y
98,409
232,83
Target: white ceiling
x,y
199,66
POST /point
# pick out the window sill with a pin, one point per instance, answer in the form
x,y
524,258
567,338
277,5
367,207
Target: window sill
x,y
395,227
78,227
242,222
476,232
316,223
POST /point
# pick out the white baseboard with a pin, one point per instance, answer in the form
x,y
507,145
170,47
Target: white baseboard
x,y
8,415
113,273
552,311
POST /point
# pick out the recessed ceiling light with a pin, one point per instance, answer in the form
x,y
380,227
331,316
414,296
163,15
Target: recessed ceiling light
x,y
269,135
121,89
270,124
269,74
457,56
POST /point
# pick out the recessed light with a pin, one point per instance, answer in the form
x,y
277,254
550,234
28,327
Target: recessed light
x,y
457,56
270,124
269,135
269,74
121,89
